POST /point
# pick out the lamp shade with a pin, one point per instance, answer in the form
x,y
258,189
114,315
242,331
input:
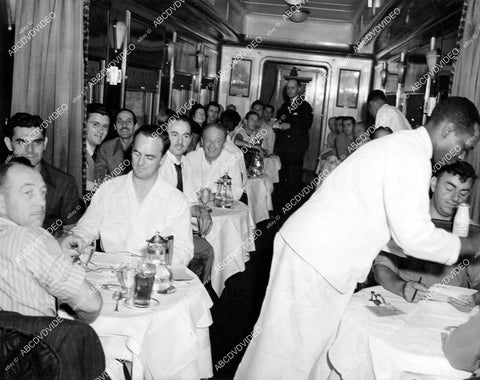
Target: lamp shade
x,y
299,15
170,50
120,32
12,5
200,58
383,74
432,57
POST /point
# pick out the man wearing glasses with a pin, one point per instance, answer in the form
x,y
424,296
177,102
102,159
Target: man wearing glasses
x,y
98,122
25,137
113,156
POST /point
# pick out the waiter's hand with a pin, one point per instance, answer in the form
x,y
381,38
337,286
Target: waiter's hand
x,y
72,245
284,126
204,221
409,289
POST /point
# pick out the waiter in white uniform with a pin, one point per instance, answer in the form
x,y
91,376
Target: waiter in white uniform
x,y
379,193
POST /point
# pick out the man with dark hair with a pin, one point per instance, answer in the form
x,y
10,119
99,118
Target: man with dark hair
x,y
213,112
25,137
264,129
268,114
294,119
129,209
386,115
327,246
98,124
213,161
381,132
114,156
450,187
177,171
344,143
230,120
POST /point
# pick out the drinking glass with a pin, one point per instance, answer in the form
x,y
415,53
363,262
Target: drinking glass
x,y
126,277
144,277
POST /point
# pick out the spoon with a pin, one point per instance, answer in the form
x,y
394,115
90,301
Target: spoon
x,y
117,295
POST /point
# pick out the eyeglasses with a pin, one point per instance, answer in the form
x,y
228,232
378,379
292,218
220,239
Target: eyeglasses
x,y
96,125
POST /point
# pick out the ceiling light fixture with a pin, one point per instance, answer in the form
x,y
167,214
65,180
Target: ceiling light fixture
x,y
299,15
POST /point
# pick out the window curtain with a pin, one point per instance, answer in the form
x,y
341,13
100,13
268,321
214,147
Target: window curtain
x,y
48,75
466,82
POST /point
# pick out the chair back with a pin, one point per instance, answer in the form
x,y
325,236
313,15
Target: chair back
x,y
24,357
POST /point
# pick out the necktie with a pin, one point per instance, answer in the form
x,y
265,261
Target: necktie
x,y
178,168
94,155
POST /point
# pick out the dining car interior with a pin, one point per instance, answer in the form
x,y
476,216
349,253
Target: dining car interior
x,y
239,189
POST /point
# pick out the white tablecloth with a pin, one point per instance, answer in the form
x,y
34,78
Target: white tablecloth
x,y
406,346
272,165
259,192
170,341
232,237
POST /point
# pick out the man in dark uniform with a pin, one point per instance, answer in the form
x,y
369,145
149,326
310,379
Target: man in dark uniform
x,y
295,119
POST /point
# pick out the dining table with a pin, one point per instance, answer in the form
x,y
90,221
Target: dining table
x,y
396,341
168,340
259,193
232,237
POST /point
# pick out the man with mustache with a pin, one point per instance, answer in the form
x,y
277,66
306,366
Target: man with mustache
x,y
114,155
177,172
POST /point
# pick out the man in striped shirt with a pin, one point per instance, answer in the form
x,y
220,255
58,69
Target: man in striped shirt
x,y
35,268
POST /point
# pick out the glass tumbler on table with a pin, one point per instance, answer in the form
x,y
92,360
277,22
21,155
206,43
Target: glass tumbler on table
x,y
126,277
144,277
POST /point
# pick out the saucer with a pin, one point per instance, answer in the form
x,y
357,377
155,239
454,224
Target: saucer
x,y
153,304
171,289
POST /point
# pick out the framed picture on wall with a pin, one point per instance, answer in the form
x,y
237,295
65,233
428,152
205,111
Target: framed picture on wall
x,y
348,85
240,76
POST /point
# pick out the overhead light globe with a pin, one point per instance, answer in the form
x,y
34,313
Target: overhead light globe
x,y
295,2
299,15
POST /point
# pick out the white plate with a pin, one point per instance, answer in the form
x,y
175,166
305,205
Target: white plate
x,y
154,303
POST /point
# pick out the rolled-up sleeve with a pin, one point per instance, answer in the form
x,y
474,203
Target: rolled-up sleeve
x,y
387,260
406,184
54,269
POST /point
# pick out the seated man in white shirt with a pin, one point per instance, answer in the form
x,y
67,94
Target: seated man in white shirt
x,y
127,210
386,115
176,170
212,161
249,135
450,186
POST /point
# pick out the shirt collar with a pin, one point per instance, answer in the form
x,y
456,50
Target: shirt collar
x,y
172,158
7,222
90,149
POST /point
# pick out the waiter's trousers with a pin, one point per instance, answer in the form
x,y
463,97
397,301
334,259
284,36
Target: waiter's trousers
x,y
300,317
